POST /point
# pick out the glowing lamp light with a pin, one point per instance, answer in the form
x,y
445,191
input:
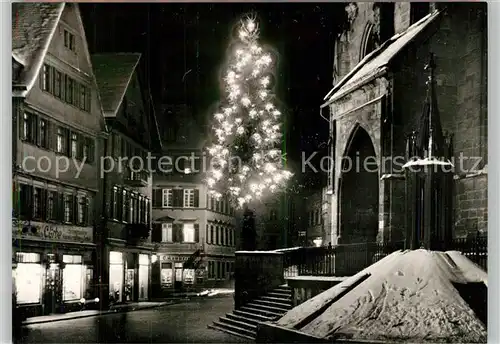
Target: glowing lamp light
x,y
317,242
250,25
82,300
96,300
154,258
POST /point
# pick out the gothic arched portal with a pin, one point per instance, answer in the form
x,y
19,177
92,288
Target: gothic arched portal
x,y
359,190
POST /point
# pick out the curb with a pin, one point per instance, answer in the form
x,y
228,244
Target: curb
x,y
114,311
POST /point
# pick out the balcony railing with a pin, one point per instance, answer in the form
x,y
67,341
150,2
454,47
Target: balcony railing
x,y
137,178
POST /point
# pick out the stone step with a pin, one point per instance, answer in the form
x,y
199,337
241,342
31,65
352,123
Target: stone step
x,y
248,320
283,289
234,330
241,324
285,299
279,294
252,316
264,312
279,305
272,308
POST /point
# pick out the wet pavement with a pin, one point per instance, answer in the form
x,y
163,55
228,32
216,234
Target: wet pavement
x,y
184,322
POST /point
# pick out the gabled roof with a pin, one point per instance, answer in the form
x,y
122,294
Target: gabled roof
x,y
33,25
113,73
375,63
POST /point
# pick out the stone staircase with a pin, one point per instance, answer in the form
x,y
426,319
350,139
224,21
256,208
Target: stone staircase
x,y
243,322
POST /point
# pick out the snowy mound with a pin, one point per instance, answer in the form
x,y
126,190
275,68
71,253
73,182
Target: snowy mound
x,y
410,296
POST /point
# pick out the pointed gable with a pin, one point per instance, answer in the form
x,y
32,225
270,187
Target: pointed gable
x,y
33,25
113,74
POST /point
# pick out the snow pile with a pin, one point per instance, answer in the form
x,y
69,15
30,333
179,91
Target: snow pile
x,y
213,292
408,297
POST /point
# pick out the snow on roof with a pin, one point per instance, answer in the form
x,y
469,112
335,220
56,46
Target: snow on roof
x,y
409,296
427,162
33,25
113,72
375,63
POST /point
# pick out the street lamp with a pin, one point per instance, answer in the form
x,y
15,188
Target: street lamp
x,y
318,242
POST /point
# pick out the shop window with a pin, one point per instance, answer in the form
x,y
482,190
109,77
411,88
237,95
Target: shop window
x,y
166,232
116,270
188,232
28,278
166,274
73,274
143,276
188,276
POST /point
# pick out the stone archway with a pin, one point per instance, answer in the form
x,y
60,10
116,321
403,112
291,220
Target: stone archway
x,y
359,190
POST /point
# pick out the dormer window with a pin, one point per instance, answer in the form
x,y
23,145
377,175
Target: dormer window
x,y
69,40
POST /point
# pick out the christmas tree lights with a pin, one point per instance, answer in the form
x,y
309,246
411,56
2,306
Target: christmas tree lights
x,y
245,159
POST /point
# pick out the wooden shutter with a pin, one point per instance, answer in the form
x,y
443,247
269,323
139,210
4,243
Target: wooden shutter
x,y
178,196
196,232
175,236
74,213
156,232
207,234
180,234
157,198
196,198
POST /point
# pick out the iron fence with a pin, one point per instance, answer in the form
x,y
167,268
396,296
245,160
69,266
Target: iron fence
x,y
349,259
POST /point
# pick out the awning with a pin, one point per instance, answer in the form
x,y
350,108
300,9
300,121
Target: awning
x,y
375,64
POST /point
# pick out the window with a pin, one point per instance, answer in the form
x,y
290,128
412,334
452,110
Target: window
x,y
74,145
72,279
25,203
51,199
125,207
42,134
168,198
217,242
188,232
83,97
37,203
29,124
131,202
147,210
62,135
212,203
68,208
188,198
69,40
82,210
70,87
212,234
166,232
114,203
88,149
46,78
58,84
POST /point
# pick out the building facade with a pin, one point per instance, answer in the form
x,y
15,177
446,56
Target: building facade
x,y
57,127
377,99
125,249
194,234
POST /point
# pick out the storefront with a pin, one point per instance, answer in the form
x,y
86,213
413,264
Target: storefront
x,y
177,274
129,276
52,268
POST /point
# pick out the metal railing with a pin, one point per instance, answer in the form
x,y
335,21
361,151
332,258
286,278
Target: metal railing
x,y
349,259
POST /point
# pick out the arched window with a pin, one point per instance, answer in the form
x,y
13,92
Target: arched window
x,y
368,41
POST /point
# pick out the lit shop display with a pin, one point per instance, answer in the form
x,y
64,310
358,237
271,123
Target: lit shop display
x,y
28,278
143,276
73,278
166,274
115,276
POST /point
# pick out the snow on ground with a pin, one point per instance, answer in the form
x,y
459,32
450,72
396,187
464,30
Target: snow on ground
x,y
409,297
218,291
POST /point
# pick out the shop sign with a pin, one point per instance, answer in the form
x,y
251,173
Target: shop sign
x,y
167,258
51,232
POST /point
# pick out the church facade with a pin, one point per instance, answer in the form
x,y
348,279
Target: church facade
x,y
377,101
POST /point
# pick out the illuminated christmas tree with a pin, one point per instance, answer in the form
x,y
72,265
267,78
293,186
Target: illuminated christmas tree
x,y
245,158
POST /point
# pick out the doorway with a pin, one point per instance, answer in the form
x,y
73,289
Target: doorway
x,y
53,289
359,191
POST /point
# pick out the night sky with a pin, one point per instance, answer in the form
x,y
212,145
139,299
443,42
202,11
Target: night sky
x,y
184,47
